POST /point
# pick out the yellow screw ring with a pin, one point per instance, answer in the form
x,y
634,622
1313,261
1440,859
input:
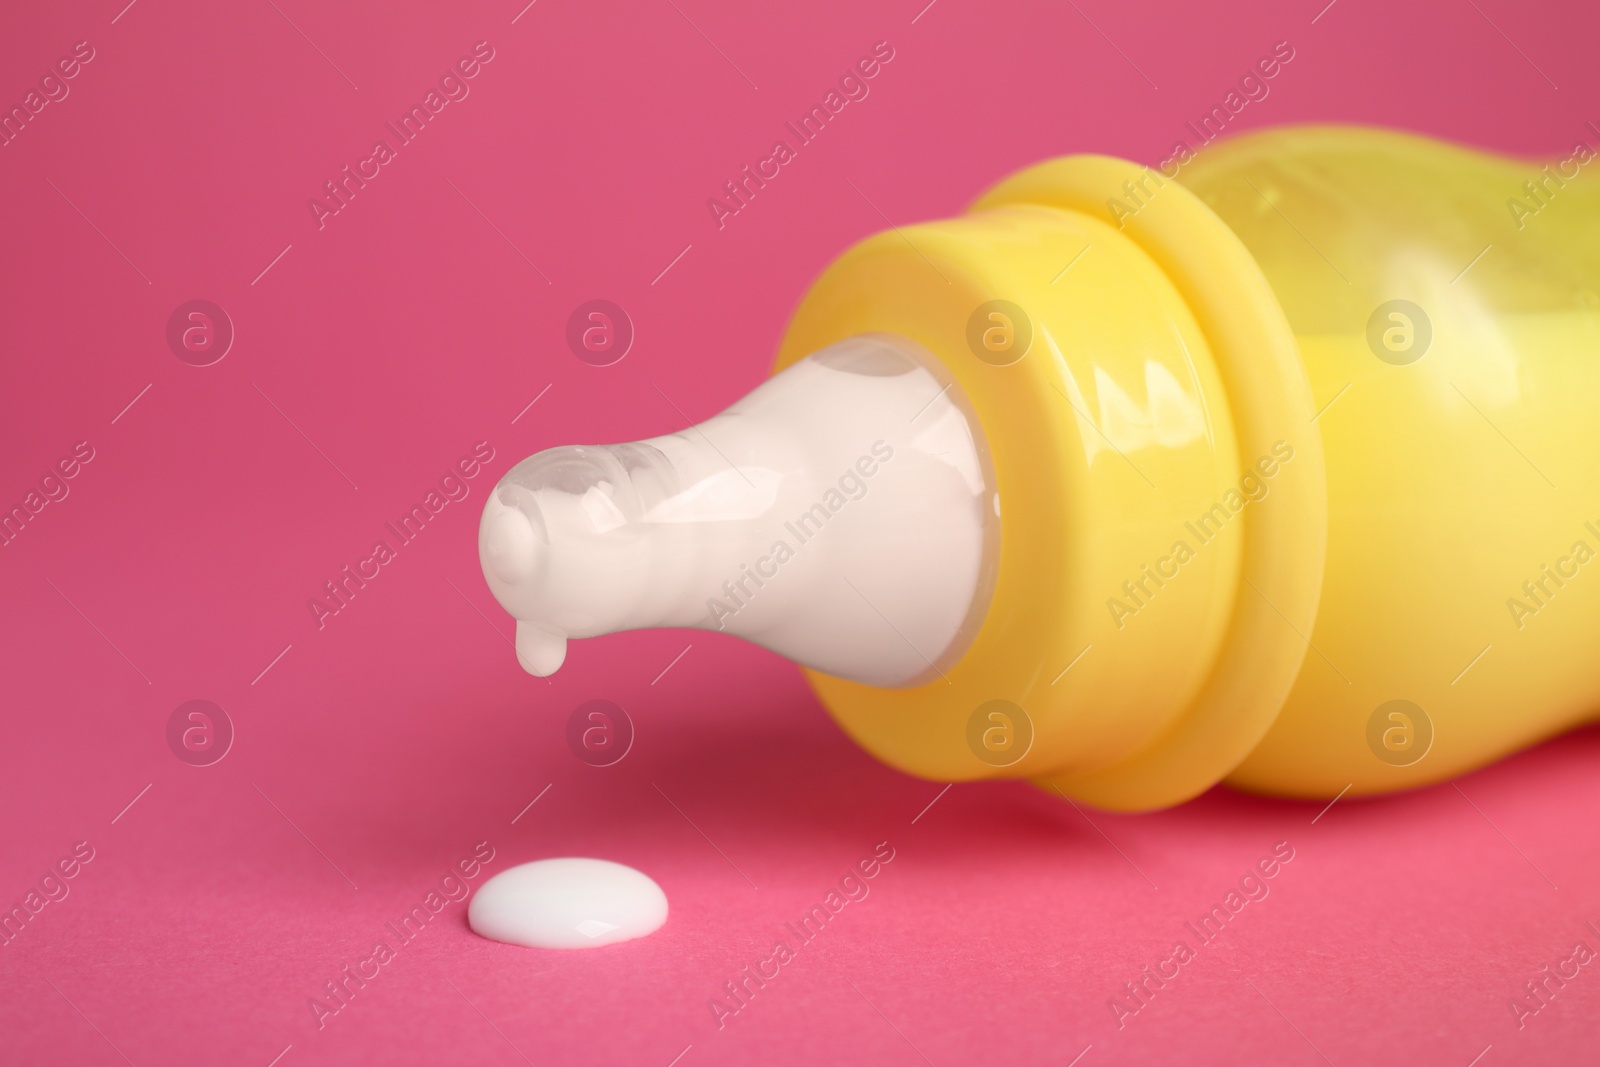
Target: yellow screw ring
x,y
1285,536
1072,528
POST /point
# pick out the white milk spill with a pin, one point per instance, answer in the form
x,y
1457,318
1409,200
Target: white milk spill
x,y
567,903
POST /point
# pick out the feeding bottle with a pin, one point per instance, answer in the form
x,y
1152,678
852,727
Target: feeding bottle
x,y
1279,466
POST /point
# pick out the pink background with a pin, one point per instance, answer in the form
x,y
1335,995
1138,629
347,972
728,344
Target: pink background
x,y
403,732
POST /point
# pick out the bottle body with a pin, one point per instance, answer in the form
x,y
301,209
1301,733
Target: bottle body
x,y
1446,305
1297,469
1275,466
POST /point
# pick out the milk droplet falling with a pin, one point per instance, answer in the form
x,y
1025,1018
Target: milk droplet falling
x,y
570,902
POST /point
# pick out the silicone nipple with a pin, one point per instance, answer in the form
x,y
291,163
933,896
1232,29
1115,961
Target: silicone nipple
x,y
840,515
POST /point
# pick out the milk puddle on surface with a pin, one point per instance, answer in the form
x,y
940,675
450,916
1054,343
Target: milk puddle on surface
x,y
570,902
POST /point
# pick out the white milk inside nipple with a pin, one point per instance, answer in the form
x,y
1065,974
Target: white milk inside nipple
x,y
842,514
567,903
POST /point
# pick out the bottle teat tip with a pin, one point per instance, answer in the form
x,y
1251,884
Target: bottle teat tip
x,y
540,652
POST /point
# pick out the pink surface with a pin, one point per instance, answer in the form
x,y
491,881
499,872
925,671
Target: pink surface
x,y
375,752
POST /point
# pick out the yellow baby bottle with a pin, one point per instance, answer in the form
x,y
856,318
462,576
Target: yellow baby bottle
x,y
1275,465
